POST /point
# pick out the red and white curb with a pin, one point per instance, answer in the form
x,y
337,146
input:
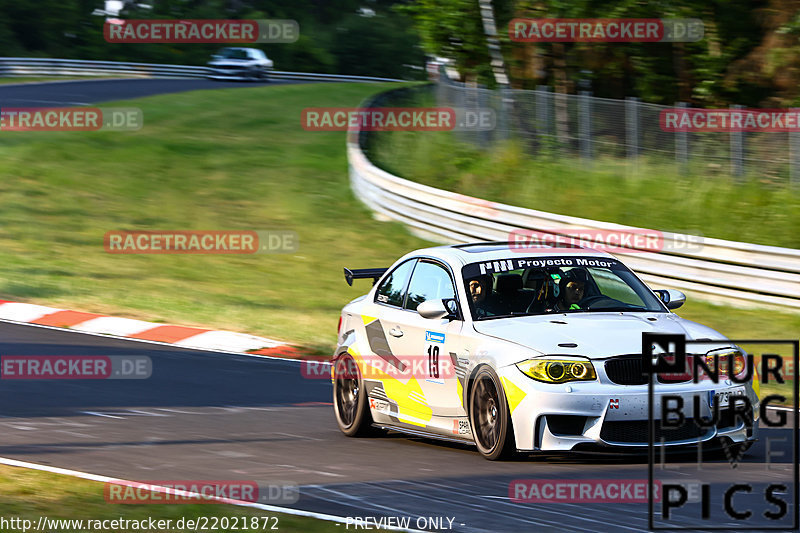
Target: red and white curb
x,y
128,328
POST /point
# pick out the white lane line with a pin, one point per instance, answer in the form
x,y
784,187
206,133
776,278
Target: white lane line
x,y
144,413
95,413
116,481
304,471
45,101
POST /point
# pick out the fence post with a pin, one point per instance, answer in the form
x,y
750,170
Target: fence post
x,y
794,156
585,126
632,131
737,150
682,145
544,118
502,124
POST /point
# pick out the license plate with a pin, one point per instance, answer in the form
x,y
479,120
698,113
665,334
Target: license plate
x,y
723,398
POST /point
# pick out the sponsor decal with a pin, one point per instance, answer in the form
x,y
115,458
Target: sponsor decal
x,y
433,336
379,405
613,403
542,262
461,427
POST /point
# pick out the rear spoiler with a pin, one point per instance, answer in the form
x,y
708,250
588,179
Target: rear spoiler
x,y
360,273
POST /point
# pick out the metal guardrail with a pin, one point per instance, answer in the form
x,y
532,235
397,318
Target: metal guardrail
x,y
715,270
25,66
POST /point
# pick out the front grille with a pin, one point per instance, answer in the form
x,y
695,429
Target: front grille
x,y
627,370
637,431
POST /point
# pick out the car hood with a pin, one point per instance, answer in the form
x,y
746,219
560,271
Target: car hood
x,y
595,335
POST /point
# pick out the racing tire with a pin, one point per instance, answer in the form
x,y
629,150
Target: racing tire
x,y
489,416
350,399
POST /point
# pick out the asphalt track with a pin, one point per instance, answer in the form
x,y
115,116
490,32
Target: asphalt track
x,y
206,415
80,93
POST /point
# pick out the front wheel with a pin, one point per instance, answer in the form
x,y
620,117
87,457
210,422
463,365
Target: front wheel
x,y
490,418
350,398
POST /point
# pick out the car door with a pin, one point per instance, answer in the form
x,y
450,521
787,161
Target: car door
x,y
384,321
433,343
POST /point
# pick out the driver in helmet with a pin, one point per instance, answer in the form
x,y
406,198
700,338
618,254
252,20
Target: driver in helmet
x,y
571,290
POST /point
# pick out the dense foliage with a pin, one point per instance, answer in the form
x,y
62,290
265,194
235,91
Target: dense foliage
x,y
750,54
336,36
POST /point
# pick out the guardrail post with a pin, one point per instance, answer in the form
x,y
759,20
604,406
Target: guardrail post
x,y
737,150
632,131
682,146
585,125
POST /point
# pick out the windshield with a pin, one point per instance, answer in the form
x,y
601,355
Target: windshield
x,y
542,285
233,53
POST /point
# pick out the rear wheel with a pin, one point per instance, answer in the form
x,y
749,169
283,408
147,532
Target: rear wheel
x,y
490,418
350,398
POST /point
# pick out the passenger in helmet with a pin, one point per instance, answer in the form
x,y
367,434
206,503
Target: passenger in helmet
x,y
571,290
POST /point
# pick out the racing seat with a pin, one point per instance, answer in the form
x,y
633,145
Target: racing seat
x,y
508,288
537,290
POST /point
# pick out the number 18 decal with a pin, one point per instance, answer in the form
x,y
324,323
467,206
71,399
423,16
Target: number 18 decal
x,y
433,360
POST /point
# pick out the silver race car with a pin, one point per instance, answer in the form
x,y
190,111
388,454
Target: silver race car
x,y
526,350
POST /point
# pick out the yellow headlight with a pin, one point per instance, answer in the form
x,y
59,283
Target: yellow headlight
x,y
725,360
557,370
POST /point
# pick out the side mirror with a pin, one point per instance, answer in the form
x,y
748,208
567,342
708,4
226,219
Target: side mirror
x,y
672,299
435,309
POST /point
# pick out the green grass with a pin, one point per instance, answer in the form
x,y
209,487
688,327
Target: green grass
x,y
702,202
228,159
30,494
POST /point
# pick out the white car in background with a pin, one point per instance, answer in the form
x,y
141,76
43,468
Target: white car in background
x,y
547,358
240,63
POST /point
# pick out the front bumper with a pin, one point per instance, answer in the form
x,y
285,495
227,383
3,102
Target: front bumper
x,y
577,415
